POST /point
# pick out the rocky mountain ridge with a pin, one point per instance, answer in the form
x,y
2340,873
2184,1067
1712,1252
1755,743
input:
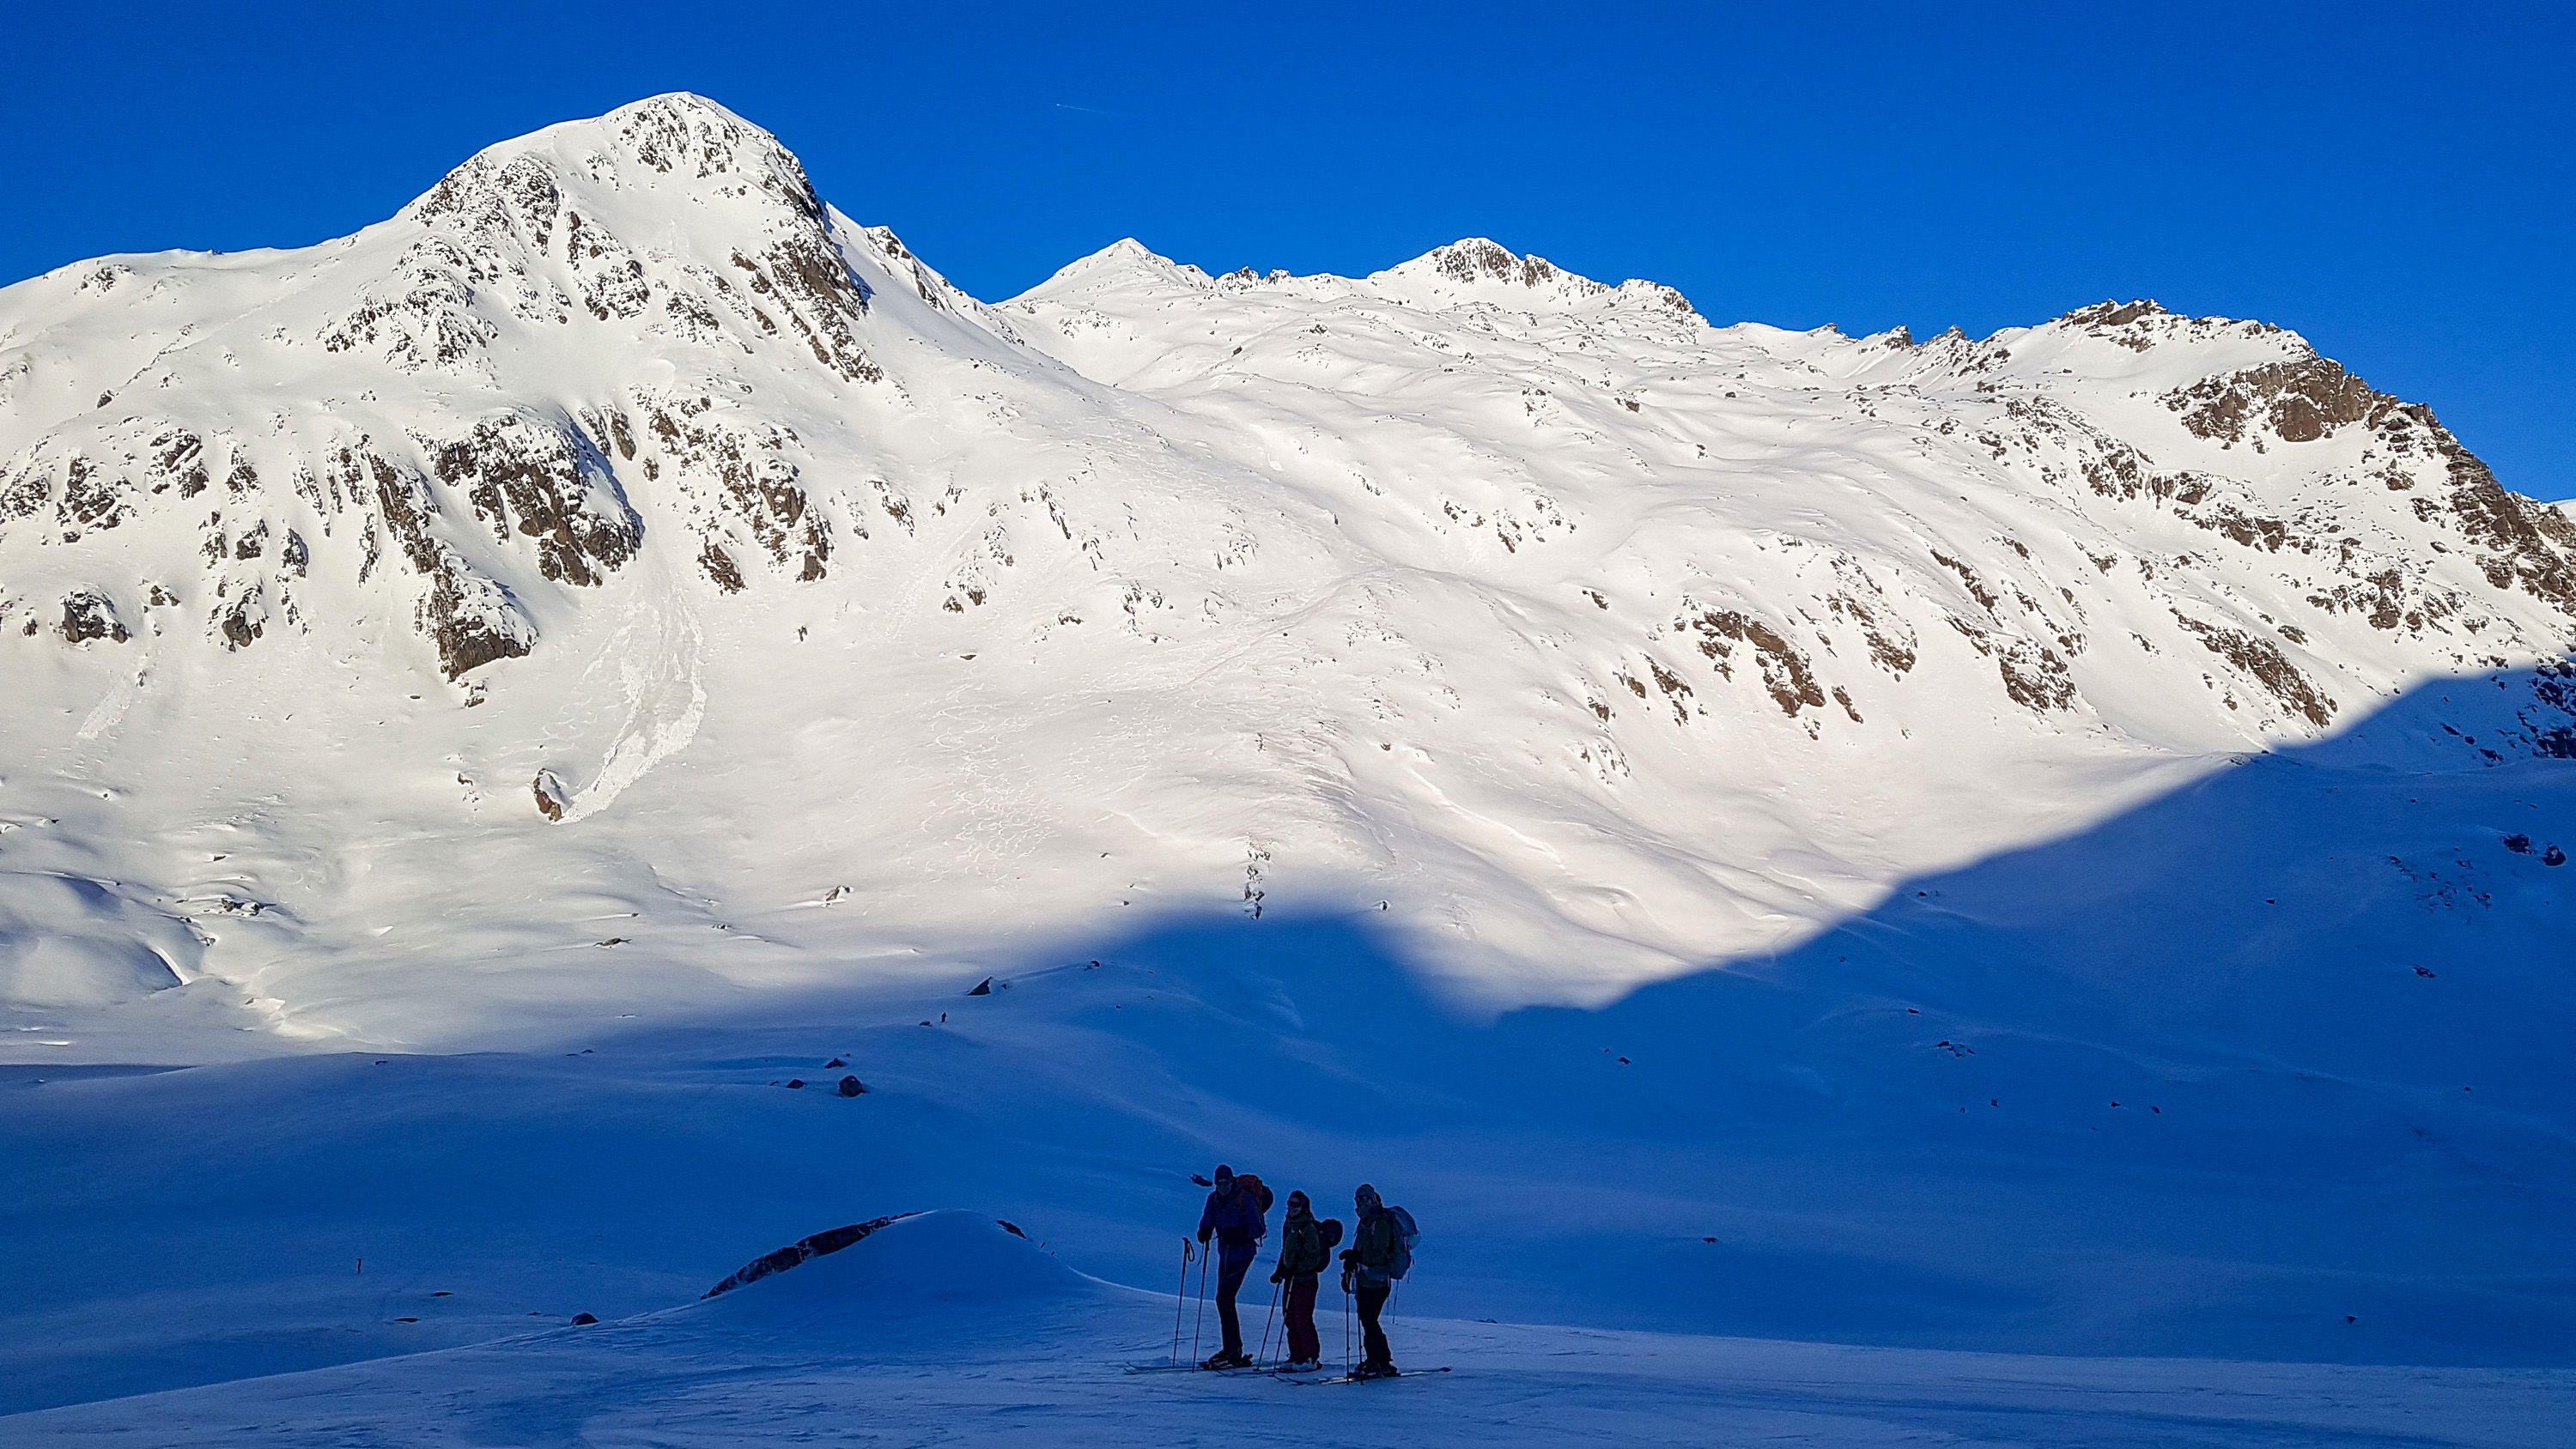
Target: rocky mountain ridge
x,y
1995,408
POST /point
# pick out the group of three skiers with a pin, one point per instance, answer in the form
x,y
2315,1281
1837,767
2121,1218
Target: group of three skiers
x,y
1381,1251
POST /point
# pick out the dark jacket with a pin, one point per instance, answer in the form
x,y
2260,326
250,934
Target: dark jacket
x,y
1235,1218
1305,1246
1372,1247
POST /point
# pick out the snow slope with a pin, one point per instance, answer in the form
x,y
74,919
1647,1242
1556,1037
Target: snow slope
x,y
942,1329
619,544
2272,1068
2050,843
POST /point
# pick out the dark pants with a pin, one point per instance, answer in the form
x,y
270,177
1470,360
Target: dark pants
x,y
1302,1341
1231,1264
1372,1302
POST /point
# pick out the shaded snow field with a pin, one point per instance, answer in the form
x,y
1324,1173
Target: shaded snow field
x,y
943,1329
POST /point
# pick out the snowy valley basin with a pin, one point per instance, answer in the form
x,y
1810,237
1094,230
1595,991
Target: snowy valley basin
x,y
1997,890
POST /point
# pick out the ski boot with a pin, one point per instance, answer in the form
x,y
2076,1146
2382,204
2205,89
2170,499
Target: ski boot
x,y
1377,1370
1221,1359
1301,1366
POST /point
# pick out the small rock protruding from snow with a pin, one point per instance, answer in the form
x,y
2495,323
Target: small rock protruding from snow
x,y
553,798
88,614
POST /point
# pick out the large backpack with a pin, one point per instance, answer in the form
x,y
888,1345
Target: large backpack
x,y
1326,1235
1406,1237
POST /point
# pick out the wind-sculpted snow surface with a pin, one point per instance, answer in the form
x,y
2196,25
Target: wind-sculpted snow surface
x,y
619,579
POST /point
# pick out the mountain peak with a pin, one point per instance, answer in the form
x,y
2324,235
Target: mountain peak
x,y
673,147
1483,263
668,132
1124,265
662,253
1480,269
1471,270
680,131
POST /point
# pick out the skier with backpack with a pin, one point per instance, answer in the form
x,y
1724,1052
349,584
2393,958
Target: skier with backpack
x,y
1305,1251
1234,1217
1381,1252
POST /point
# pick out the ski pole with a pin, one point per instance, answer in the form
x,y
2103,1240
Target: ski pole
x,y
1200,1324
1346,1325
1395,1294
1275,1289
1180,1300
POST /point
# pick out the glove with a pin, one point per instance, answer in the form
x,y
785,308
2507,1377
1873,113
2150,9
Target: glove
x,y
1203,1240
1278,1275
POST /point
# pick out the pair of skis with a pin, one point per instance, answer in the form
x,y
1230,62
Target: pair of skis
x,y
1367,1379
1274,1371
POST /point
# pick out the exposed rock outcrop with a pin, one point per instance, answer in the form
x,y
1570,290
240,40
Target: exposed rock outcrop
x,y
830,1241
89,615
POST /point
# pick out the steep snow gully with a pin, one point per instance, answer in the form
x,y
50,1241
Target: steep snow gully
x,y
1913,856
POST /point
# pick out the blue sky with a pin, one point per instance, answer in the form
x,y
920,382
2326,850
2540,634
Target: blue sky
x,y
2399,183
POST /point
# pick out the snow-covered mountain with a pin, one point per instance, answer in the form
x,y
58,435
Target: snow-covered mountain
x,y
621,545
2053,842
